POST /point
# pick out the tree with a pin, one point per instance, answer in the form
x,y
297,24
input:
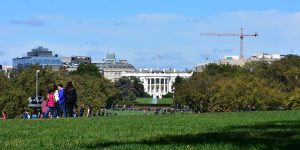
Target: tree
x,y
91,89
195,92
246,92
130,88
127,88
87,69
232,88
294,99
225,71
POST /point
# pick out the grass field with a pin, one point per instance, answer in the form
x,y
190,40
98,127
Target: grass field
x,y
149,101
240,130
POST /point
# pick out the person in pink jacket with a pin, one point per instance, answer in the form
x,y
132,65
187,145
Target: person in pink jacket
x,y
44,108
50,103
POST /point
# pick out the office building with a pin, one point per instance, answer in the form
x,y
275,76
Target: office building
x,y
39,56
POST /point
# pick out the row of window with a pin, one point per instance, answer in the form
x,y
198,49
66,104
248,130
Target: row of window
x,y
41,61
158,81
156,89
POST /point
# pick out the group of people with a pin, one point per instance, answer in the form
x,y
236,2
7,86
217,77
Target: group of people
x,y
59,101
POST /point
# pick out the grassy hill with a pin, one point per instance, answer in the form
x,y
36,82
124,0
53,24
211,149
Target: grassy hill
x,y
239,130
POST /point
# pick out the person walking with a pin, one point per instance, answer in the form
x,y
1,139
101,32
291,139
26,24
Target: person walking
x,y
70,98
50,103
61,101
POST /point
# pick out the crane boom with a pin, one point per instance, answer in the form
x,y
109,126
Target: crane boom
x,y
241,35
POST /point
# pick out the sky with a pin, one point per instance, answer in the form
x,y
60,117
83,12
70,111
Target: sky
x,y
148,33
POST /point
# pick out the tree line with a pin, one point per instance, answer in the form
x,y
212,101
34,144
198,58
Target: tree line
x,y
92,88
255,86
219,88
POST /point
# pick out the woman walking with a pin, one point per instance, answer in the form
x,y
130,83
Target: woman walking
x,y
70,98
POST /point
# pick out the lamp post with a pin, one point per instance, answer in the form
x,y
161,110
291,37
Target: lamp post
x,y
36,84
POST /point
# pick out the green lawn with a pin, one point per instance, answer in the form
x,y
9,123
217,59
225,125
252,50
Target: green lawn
x,y
239,130
149,101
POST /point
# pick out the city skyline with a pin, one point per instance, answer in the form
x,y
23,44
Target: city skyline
x,y
140,31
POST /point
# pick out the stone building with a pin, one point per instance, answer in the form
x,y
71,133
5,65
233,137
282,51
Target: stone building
x,y
112,69
157,82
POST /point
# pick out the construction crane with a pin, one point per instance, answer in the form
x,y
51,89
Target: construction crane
x,y
241,35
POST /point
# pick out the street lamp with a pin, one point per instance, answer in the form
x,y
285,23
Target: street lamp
x,y
36,84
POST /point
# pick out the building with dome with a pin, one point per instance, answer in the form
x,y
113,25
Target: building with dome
x,y
112,69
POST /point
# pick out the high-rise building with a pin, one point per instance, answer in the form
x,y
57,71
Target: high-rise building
x,y
39,56
39,51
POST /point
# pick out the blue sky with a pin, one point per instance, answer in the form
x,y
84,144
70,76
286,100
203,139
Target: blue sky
x,y
142,30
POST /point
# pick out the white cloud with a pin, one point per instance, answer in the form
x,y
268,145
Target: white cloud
x,y
30,22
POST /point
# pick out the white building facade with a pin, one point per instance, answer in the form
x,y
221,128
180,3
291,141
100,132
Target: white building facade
x,y
157,83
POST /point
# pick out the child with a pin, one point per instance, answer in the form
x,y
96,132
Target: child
x,y
3,116
44,108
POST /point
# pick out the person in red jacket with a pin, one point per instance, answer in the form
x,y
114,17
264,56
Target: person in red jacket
x,y
3,116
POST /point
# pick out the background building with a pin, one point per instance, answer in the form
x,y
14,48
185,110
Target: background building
x,y
112,69
232,60
235,60
72,63
40,51
157,82
40,56
80,60
6,70
266,57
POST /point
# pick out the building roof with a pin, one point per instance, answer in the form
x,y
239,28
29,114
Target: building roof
x,y
159,71
115,65
110,56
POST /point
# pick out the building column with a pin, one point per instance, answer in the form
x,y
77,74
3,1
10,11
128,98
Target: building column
x,y
145,84
154,87
170,85
149,85
159,85
165,86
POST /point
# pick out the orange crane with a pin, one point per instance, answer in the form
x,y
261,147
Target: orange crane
x,y
241,35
